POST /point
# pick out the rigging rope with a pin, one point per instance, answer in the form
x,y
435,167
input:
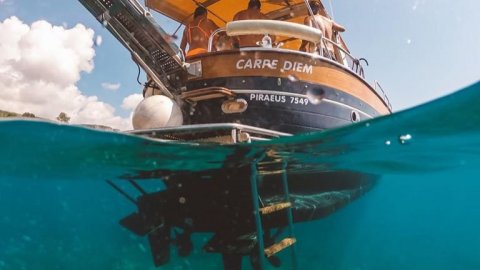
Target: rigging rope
x,y
310,11
331,9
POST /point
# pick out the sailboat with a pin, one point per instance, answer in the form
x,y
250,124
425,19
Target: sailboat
x,y
234,96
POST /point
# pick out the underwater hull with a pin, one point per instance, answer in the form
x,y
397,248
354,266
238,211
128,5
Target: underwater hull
x,y
211,205
221,203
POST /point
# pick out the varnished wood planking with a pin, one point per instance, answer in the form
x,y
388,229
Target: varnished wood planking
x,y
324,73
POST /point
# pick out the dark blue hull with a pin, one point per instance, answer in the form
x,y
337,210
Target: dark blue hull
x,y
279,104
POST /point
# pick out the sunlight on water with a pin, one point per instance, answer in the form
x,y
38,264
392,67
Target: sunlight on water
x,y
424,212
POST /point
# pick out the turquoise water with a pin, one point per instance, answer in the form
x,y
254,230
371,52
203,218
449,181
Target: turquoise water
x,y
58,213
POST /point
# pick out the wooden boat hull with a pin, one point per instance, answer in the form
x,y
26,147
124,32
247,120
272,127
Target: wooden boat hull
x,y
284,91
285,108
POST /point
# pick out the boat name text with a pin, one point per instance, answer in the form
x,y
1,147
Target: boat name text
x,y
274,64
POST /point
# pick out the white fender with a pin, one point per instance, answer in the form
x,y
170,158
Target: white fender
x,y
156,112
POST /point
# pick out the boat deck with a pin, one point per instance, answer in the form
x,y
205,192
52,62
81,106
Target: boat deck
x,y
222,133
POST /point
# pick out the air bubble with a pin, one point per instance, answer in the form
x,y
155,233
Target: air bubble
x,y
404,138
292,78
315,95
98,41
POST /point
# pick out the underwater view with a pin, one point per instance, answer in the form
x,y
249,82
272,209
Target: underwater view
x,y
239,135
58,211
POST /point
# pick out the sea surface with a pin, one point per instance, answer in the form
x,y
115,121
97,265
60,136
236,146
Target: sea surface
x,y
57,211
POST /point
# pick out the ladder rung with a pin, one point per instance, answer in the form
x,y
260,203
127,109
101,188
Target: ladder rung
x,y
275,248
272,162
264,172
275,207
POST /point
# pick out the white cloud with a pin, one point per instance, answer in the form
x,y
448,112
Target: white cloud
x,y
131,102
111,86
7,3
40,65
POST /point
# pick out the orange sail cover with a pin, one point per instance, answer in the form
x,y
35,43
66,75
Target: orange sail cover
x,y
222,11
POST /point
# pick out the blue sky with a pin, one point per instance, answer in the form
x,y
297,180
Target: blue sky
x,y
418,49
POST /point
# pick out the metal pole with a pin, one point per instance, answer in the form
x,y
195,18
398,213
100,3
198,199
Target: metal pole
x,y
256,213
117,188
138,187
289,212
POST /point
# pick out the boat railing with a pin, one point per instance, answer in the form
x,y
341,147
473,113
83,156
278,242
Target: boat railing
x,y
379,89
292,30
273,27
268,27
336,52
212,37
225,133
325,47
342,56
